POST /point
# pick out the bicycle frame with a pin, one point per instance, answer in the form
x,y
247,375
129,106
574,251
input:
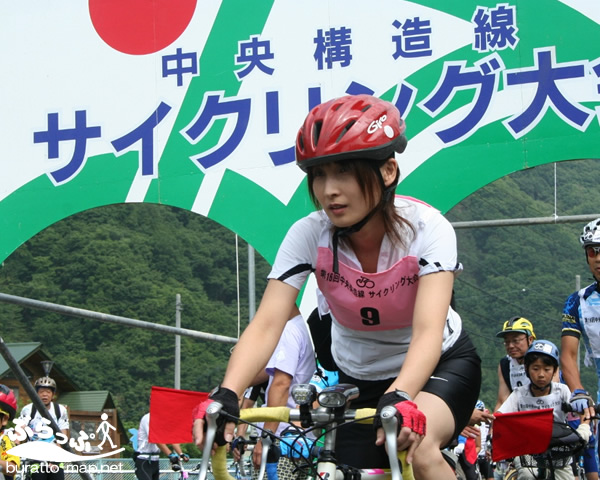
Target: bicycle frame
x,y
331,412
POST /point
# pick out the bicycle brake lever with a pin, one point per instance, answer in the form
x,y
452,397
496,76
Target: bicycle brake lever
x,y
389,421
266,445
212,413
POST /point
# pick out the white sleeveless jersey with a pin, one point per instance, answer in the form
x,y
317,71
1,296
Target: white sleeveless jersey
x,y
521,399
369,337
518,378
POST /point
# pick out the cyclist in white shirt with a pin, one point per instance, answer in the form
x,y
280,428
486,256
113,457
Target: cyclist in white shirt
x,y
385,267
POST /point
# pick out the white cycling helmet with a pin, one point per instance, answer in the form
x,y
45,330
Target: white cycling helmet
x,y
590,234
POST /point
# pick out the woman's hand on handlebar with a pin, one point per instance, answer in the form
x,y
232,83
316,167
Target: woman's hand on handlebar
x,y
407,440
199,430
411,421
228,401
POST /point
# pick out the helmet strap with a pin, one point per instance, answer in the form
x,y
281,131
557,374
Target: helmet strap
x,y
344,232
533,387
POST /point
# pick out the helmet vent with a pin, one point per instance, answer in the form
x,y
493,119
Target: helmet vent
x,y
345,130
316,133
365,108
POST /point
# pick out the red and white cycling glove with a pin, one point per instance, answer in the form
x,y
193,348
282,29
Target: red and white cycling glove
x,y
409,414
229,400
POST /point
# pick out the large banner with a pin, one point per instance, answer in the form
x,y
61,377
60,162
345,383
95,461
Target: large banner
x,y
196,104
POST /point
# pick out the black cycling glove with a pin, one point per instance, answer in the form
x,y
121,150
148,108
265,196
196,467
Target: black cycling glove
x,y
229,400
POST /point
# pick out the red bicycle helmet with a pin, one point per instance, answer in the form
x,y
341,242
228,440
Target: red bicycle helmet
x,y
8,402
353,126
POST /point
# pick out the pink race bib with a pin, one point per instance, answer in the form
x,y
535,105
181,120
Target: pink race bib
x,y
369,301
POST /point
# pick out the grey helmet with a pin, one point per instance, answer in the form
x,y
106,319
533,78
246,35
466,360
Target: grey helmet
x,y
45,382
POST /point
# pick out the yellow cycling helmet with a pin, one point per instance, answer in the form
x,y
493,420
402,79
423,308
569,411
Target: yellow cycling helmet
x,y
517,324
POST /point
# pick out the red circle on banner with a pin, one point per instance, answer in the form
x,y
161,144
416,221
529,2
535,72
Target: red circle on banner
x,y
140,27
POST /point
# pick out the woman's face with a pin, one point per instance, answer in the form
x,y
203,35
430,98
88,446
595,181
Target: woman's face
x,y
338,192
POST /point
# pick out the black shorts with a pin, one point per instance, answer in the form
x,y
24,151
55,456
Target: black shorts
x,y
146,469
456,380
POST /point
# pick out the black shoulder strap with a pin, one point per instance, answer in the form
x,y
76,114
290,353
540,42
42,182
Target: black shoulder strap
x,y
505,368
56,411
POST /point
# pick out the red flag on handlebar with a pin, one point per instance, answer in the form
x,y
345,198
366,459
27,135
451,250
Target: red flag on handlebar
x,y
171,414
521,433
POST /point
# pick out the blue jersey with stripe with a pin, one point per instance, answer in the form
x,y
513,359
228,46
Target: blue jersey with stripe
x,y
581,319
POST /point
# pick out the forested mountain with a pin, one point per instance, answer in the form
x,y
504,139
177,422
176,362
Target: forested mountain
x,y
523,270
131,260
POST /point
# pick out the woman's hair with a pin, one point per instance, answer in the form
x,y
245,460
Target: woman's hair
x,y
366,173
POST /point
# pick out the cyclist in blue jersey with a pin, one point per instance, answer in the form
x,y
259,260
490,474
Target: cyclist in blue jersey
x,y
581,321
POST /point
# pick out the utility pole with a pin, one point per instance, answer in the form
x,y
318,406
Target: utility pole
x,y
177,383
577,288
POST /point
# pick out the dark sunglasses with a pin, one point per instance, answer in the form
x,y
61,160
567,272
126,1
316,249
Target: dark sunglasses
x,y
592,251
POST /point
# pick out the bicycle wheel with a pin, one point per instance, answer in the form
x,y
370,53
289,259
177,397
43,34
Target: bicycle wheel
x,y
511,474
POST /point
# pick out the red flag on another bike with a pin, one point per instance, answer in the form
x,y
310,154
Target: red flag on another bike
x,y
521,433
171,414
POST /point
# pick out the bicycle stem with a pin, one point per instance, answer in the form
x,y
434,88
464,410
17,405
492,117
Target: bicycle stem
x,y
266,446
389,421
212,413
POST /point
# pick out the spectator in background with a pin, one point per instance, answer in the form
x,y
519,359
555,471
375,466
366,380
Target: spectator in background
x,y
518,335
46,390
483,458
292,362
147,455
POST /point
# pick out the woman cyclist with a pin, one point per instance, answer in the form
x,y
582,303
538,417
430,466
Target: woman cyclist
x,y
385,267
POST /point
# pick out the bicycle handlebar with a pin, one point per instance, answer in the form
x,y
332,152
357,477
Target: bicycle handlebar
x,y
566,407
319,416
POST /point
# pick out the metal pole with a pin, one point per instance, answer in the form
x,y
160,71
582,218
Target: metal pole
x,y
510,222
577,288
103,317
177,383
251,284
35,399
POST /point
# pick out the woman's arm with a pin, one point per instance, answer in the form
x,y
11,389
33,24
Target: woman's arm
x,y
425,349
429,321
